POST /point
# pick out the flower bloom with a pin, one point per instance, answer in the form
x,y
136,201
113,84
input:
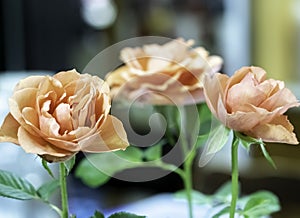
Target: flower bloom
x,y
171,73
249,103
56,117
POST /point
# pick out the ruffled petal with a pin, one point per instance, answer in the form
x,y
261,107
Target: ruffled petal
x,y
31,117
258,73
117,77
243,93
282,98
29,82
243,121
37,145
152,71
112,136
213,86
280,130
62,115
9,130
66,77
21,99
62,143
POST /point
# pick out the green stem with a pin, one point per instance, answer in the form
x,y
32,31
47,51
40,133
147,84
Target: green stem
x,y
169,113
63,190
234,175
55,208
187,168
188,184
174,125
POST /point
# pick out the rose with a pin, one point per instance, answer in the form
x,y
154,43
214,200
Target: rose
x,y
163,74
249,103
56,117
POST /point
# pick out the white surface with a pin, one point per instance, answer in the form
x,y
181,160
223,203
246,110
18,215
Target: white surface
x,y
166,206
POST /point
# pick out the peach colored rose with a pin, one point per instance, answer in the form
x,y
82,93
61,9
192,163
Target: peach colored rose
x,y
249,103
56,117
163,74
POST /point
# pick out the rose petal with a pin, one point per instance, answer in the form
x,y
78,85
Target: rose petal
x,y
283,120
222,114
158,63
146,67
280,99
64,143
62,114
31,117
17,114
9,130
243,121
258,73
250,117
134,57
112,136
79,133
280,130
66,77
82,109
33,128
215,63
243,93
49,126
189,78
102,106
116,78
213,86
100,85
29,82
51,85
36,145
20,99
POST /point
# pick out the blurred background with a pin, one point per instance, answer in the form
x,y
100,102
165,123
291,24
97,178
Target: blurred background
x,y
40,35
56,35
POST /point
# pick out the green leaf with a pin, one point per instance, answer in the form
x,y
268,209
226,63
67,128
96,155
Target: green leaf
x,y
225,210
97,214
205,118
125,215
204,113
69,164
12,186
47,189
154,152
46,167
201,139
247,141
261,203
198,197
223,194
171,116
266,155
170,113
96,169
217,138
131,153
90,175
